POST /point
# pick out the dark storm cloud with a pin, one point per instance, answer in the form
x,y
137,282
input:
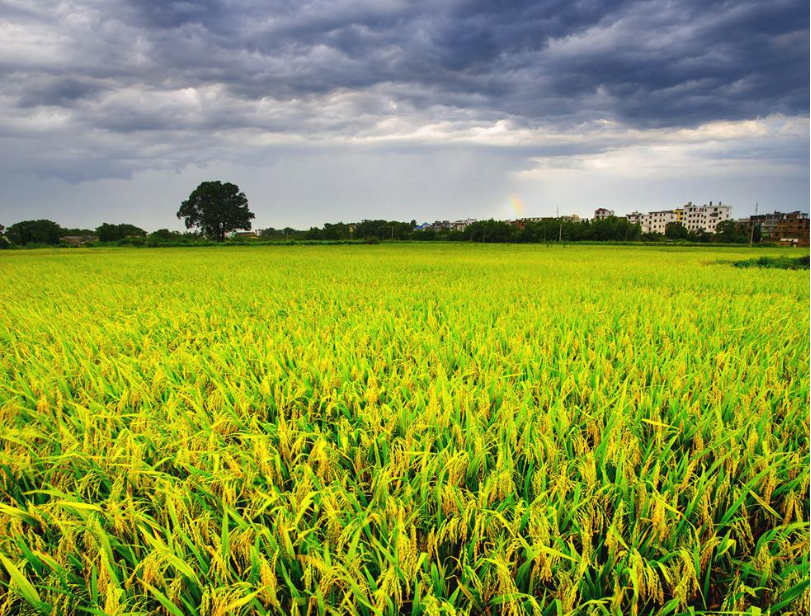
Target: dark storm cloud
x,y
655,62
58,91
108,88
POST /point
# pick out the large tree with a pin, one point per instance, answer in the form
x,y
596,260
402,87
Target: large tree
x,y
216,209
34,232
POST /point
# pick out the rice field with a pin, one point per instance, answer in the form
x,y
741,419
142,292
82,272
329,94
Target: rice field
x,y
403,429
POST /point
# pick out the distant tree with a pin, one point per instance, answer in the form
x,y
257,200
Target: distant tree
x,y
490,231
165,234
651,236
112,233
424,235
4,241
730,232
676,231
34,232
216,209
700,235
78,231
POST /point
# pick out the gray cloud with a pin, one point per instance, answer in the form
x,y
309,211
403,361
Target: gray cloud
x,y
97,89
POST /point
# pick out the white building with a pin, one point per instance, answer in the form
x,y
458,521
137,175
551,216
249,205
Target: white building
x,y
707,217
656,222
602,212
693,217
461,225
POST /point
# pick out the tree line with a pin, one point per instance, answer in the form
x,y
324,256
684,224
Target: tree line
x,y
48,233
214,210
611,229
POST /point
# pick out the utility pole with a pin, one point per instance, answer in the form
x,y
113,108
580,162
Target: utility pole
x,y
752,231
560,220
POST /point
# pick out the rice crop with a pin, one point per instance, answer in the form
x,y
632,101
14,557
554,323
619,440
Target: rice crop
x,y
402,429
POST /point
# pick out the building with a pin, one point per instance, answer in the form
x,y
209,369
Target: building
x,y
461,225
245,235
793,229
77,240
438,225
776,224
446,225
601,213
706,217
767,223
656,222
520,223
693,217
635,218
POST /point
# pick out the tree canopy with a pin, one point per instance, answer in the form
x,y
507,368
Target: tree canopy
x,y
216,209
111,233
34,232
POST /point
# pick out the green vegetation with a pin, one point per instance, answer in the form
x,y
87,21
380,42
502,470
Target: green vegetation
x,y
216,209
114,233
781,262
213,224
402,429
34,232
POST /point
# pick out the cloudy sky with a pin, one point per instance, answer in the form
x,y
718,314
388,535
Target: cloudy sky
x,y
114,110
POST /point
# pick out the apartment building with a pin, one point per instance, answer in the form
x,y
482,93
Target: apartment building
x,y
776,225
461,225
707,217
693,217
446,225
656,222
601,213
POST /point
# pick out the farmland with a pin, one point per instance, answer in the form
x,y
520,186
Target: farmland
x,y
402,429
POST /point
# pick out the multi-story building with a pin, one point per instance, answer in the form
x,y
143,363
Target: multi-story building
x,y
438,225
461,225
522,222
706,217
793,229
767,223
446,225
602,212
693,217
656,222
776,224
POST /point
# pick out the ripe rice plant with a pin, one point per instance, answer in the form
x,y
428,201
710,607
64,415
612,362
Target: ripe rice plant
x,y
412,429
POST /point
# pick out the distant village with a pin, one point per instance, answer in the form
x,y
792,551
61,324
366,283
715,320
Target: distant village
x,y
787,228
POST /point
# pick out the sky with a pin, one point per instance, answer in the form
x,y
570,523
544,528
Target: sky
x,y
326,111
